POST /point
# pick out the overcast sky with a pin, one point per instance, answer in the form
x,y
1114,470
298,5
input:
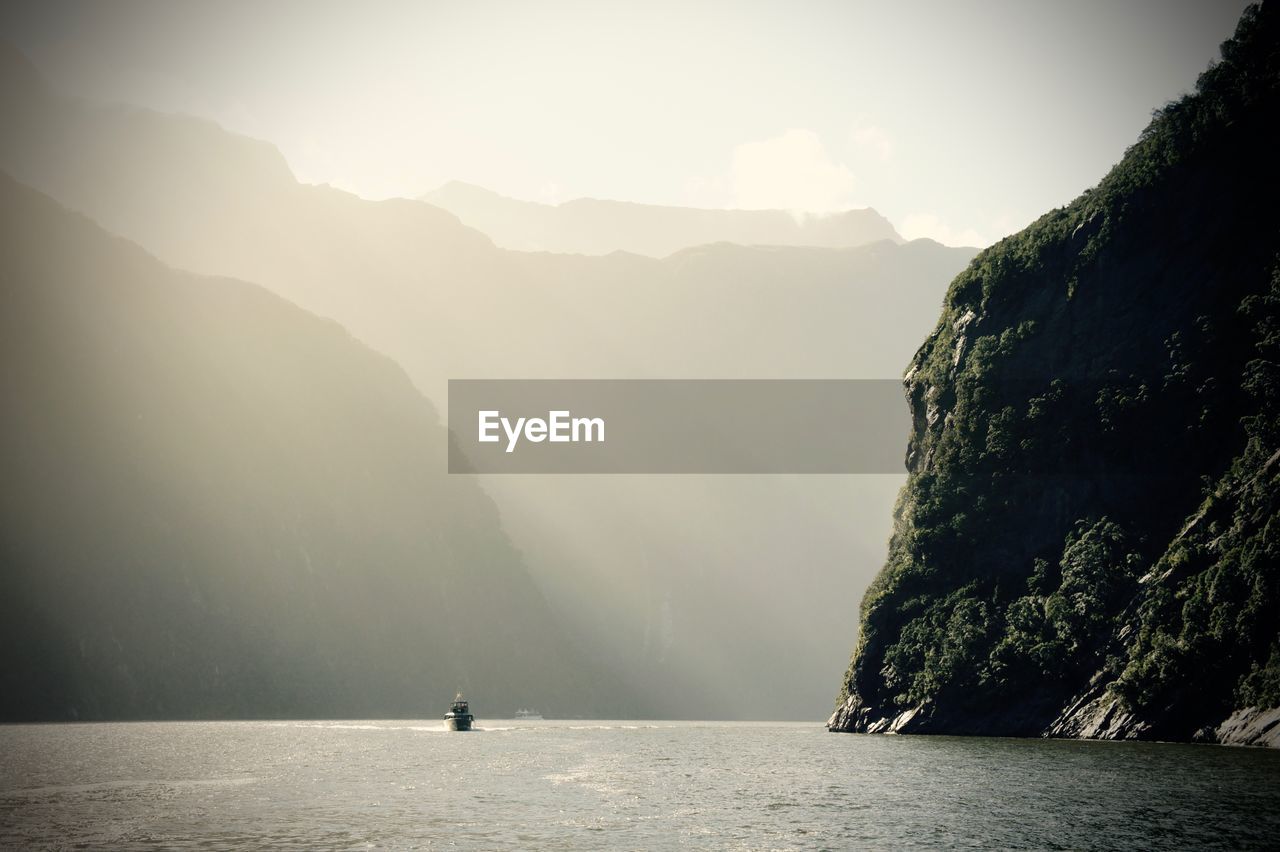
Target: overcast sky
x,y
961,121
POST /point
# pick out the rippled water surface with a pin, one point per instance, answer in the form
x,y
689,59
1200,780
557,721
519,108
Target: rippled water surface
x,y
574,785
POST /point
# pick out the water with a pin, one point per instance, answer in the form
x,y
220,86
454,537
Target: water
x,y
637,785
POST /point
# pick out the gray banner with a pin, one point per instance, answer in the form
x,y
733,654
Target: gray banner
x,y
677,426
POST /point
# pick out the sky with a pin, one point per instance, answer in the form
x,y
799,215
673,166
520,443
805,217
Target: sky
x,y
959,121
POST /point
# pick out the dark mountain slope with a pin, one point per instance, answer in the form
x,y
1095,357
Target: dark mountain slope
x,y
217,505
1087,543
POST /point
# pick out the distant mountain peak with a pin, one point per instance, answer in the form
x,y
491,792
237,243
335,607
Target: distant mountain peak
x,y
462,187
598,226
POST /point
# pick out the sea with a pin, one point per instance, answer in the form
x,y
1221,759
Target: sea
x,y
616,785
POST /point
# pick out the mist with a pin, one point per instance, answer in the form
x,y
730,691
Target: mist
x,y
679,597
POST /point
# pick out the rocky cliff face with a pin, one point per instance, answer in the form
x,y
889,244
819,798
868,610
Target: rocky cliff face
x,y
1087,544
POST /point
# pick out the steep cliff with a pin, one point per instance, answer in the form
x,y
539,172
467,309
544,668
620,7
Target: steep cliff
x,y
1087,543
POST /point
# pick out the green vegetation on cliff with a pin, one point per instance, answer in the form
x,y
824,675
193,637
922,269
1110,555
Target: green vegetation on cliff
x,y
1090,520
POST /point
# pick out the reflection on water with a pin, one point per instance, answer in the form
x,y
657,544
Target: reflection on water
x,y
587,785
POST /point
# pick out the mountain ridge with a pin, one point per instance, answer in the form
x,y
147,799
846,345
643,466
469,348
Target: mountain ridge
x,y
617,557
598,226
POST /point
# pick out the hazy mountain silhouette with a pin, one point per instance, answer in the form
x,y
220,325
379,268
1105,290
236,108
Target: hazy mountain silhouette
x,y
594,226
216,504
682,557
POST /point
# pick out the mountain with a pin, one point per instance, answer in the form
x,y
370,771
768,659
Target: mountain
x,y
1086,545
217,505
619,559
594,226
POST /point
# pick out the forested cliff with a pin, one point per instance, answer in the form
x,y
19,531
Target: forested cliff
x,y
1087,543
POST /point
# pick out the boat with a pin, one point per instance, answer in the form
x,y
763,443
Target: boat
x,y
459,717
528,714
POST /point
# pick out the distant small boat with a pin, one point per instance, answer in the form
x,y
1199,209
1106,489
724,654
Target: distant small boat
x,y
459,717
528,714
